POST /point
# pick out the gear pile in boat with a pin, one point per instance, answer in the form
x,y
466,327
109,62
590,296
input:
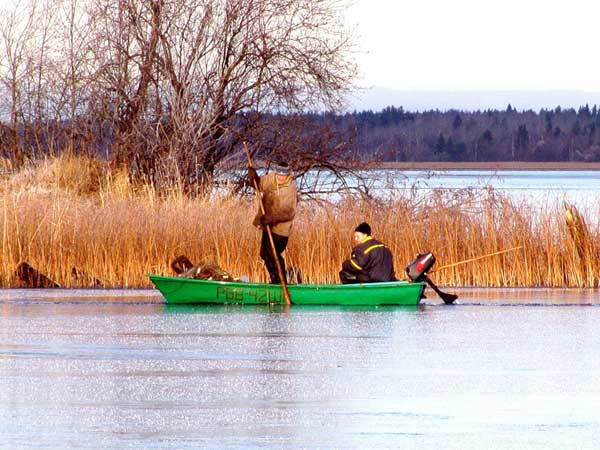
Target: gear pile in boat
x,y
208,270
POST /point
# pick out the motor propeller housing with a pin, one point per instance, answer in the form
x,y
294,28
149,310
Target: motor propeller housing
x,y
419,267
417,271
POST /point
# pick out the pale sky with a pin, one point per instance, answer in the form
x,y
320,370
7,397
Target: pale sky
x,y
478,44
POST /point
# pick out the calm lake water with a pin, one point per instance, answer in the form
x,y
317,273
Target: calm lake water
x,y
504,369
538,188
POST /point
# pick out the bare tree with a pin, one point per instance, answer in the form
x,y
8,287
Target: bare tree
x,y
169,81
16,34
71,72
30,50
180,73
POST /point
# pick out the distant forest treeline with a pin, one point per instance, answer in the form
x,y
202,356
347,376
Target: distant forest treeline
x,y
397,135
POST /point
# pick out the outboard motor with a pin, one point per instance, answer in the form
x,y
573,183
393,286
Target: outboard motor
x,y
417,271
420,266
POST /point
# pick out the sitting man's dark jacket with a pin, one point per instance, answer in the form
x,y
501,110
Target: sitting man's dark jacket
x,y
371,262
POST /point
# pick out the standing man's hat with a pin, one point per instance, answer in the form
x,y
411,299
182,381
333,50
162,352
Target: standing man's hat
x,y
282,168
364,228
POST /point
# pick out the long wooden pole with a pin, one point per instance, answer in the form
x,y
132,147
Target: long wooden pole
x,y
286,292
476,259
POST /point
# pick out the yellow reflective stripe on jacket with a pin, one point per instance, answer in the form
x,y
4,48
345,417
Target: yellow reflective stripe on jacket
x,y
355,265
373,247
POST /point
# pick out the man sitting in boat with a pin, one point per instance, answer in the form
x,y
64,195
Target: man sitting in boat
x,y
279,195
371,260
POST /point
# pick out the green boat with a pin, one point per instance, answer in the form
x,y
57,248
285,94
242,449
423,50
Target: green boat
x,y
178,290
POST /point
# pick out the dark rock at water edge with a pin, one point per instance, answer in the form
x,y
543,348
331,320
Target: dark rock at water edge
x,y
33,278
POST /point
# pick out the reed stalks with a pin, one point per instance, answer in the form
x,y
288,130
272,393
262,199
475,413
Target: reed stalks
x,y
71,212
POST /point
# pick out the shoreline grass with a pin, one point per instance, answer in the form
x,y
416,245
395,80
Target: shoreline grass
x,y
74,212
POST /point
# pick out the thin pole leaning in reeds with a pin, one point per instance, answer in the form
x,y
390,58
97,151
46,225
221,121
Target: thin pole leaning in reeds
x,y
447,266
286,293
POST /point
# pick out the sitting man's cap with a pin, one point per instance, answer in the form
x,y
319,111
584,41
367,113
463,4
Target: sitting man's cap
x,y
364,228
282,168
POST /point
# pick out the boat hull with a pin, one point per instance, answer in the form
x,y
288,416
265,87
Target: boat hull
x,y
188,291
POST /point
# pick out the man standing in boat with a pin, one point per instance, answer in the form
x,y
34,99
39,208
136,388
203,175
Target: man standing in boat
x,y
280,199
371,260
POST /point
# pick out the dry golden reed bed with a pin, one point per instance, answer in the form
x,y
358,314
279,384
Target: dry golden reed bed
x,y
72,212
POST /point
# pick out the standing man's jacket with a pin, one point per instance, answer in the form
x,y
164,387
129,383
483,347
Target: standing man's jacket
x,y
280,201
371,258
